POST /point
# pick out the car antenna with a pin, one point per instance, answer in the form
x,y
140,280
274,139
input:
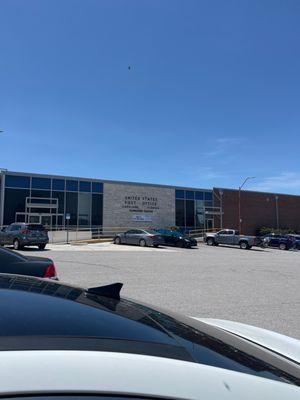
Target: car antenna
x,y
112,291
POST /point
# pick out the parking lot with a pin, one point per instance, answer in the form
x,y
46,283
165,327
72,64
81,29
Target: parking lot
x,y
259,286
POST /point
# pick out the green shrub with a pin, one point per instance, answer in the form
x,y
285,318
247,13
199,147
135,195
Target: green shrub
x,y
281,231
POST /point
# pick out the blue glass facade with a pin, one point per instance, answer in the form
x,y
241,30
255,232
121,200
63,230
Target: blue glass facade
x,y
47,200
192,209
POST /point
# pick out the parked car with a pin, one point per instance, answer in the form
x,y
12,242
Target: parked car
x,y
140,237
230,237
283,242
20,234
296,241
176,238
82,342
12,262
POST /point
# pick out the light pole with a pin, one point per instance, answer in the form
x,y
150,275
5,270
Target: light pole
x,y
221,207
277,213
240,189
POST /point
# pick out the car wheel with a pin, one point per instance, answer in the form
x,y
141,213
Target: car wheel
x,y
156,245
210,242
143,243
16,244
181,244
42,246
117,240
244,245
282,246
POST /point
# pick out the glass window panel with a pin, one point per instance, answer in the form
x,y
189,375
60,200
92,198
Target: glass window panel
x,y
72,207
72,185
199,213
97,187
179,194
180,214
14,202
57,220
97,209
190,213
199,195
61,201
84,186
208,196
40,193
17,181
84,213
189,194
208,204
41,183
58,184
43,196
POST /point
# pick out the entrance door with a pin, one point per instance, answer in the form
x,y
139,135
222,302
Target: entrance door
x,y
34,219
46,220
209,224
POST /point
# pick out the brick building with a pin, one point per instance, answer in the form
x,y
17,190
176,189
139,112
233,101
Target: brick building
x,y
258,209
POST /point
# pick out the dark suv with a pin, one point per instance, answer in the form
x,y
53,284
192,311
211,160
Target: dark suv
x,y
283,242
20,234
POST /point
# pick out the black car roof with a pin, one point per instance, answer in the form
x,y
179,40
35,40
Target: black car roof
x,y
42,314
39,314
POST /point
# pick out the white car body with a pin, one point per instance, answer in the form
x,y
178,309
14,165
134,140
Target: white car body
x,y
86,372
284,345
128,349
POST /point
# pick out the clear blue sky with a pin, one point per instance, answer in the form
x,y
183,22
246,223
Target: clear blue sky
x,y
212,95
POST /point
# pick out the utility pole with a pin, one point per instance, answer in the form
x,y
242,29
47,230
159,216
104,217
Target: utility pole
x,y
240,190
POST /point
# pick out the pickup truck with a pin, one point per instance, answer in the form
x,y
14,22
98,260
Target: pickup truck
x,y
230,237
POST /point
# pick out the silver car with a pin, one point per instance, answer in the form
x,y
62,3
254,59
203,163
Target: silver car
x,y
141,237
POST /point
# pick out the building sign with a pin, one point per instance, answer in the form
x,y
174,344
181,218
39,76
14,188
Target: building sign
x,y
141,218
131,205
143,204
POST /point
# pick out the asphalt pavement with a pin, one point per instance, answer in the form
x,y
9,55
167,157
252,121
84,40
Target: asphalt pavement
x,y
258,286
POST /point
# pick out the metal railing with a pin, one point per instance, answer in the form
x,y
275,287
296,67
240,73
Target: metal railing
x,y
75,234
199,233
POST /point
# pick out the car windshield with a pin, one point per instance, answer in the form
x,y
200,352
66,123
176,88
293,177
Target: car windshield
x,y
177,234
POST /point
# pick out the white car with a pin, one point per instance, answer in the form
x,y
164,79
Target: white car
x,y
64,342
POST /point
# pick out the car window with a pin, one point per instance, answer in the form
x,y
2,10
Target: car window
x,y
131,231
222,233
35,227
15,227
177,234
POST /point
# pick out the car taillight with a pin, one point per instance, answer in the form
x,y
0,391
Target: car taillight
x,y
50,271
24,231
152,236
